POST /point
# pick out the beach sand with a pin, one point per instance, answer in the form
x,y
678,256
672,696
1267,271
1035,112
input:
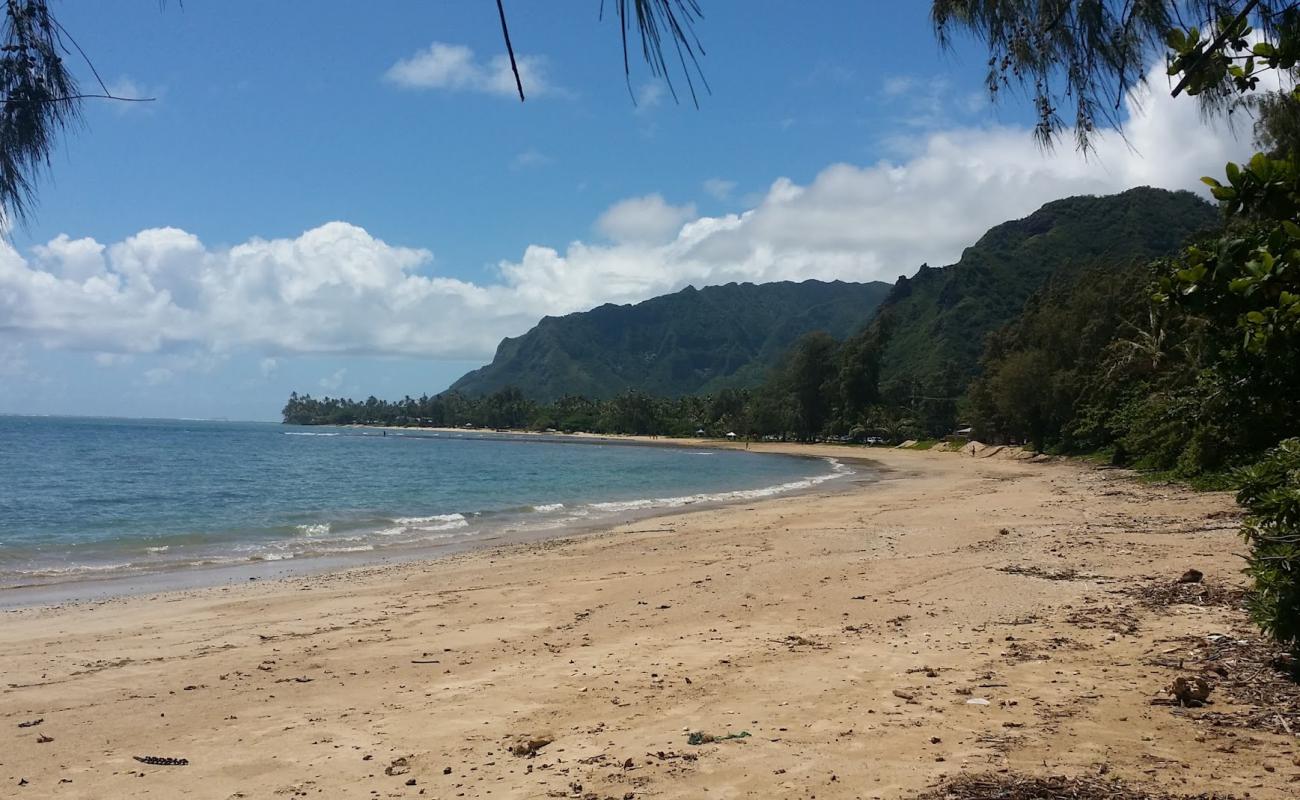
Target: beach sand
x,y
847,632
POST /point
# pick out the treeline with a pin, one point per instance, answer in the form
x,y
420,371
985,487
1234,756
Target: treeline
x,y
1191,366
1188,364
790,408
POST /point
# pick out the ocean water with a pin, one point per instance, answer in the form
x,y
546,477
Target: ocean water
x,y
86,497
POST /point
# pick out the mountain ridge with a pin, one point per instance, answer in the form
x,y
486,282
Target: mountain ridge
x,y
933,325
688,342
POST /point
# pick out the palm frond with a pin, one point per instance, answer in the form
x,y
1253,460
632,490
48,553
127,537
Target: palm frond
x,y
660,24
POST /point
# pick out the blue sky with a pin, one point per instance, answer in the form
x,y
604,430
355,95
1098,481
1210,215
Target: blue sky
x,y
333,197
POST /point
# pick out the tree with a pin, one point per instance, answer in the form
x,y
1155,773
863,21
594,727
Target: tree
x,y
40,98
1086,54
808,374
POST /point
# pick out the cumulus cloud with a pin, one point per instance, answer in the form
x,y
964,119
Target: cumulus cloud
x,y
648,219
338,289
454,67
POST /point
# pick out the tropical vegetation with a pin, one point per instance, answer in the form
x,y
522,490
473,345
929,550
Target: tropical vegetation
x,y
695,341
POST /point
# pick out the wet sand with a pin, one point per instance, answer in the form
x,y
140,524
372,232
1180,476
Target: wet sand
x,y
846,632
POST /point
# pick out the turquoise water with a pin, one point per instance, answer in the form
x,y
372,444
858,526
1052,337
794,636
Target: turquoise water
x,y
83,497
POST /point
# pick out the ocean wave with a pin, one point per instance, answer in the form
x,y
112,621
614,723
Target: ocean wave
x,y
309,433
838,470
359,548
437,522
64,572
376,533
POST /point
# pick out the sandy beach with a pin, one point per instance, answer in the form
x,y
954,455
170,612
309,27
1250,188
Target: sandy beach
x,y
960,615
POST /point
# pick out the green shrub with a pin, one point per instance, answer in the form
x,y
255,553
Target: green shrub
x,y
1270,492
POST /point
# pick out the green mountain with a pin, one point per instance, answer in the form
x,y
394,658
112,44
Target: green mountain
x,y
930,332
694,341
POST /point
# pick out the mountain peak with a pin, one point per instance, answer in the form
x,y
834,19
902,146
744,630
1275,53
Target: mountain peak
x,y
688,342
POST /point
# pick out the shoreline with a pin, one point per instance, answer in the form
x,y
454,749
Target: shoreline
x,y
960,615
182,576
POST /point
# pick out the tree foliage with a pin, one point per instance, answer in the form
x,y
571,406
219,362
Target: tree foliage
x,y
39,96
1270,492
695,341
1078,58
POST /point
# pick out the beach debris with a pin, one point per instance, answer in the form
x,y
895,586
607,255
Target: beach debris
x,y
1192,576
1190,691
527,746
1248,673
162,761
700,737
1065,574
977,701
1161,594
905,695
1011,786
31,723
795,640
399,766
672,754
410,781
446,770
43,739
22,781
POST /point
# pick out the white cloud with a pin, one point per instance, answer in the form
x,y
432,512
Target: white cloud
x,y
454,67
896,85
333,381
337,289
75,259
649,219
112,359
13,359
131,96
532,157
719,188
127,88
929,103
157,376
649,95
